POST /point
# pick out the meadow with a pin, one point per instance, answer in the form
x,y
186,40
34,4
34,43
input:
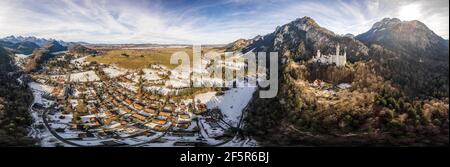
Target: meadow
x,y
142,58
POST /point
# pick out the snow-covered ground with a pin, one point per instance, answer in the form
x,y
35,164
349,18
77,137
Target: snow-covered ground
x,y
231,103
22,56
38,131
81,60
113,71
86,76
40,90
130,86
241,143
151,75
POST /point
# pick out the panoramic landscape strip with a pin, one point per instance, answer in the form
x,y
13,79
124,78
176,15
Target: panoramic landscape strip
x,y
224,73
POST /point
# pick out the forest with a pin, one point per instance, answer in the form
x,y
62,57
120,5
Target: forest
x,y
15,99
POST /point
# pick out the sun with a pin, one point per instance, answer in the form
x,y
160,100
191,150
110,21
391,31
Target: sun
x,y
410,12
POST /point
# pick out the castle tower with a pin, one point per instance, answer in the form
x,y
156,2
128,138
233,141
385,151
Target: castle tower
x,y
344,58
337,49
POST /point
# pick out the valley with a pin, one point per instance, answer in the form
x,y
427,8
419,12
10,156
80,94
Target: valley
x,y
105,100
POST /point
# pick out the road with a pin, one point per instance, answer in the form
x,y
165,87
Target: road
x,y
44,118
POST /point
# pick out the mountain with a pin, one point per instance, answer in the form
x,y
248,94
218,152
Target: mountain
x,y
39,41
411,55
406,37
20,47
13,39
349,35
25,47
301,38
237,45
81,49
54,46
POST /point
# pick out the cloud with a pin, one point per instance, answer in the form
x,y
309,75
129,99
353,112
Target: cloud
x,y
143,21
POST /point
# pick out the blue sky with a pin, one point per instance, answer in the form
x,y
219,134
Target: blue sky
x,y
202,21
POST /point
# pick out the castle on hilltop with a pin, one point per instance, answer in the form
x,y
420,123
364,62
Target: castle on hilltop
x,y
339,60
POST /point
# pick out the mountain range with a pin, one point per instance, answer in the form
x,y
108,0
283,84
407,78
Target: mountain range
x,y
399,75
38,41
410,45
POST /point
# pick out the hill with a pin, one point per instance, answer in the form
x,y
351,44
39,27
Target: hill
x,y
15,99
39,57
54,46
25,47
80,49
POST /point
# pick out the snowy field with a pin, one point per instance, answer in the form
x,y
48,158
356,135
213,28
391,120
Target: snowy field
x,y
151,75
114,72
231,103
80,61
86,76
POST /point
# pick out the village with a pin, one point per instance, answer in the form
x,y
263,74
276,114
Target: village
x,y
82,103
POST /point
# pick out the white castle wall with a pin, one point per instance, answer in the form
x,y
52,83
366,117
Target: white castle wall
x,y
339,60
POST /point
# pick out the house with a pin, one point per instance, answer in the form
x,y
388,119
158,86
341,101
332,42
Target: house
x,y
150,111
139,96
128,101
201,108
159,122
165,114
127,110
184,125
139,117
94,110
138,106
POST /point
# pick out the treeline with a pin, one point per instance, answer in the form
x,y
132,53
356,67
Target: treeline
x,y
418,76
372,111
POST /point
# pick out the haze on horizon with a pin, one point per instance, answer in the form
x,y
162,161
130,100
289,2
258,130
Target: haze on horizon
x,y
201,21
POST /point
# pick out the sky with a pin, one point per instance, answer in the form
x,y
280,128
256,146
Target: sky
x,y
202,21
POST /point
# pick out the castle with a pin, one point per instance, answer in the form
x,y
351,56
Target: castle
x,y
339,60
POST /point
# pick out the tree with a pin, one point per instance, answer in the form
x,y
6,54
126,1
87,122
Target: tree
x,y
81,107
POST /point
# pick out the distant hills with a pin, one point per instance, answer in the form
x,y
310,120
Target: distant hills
x,y
26,45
